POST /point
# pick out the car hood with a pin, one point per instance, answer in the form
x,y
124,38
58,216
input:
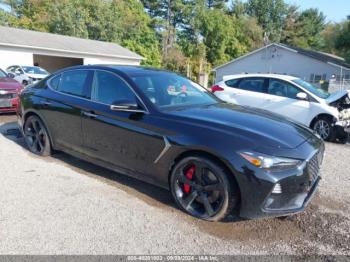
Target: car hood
x,y
337,96
38,76
260,126
9,84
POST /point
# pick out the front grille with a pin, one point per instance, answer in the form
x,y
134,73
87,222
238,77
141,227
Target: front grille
x,y
8,96
314,165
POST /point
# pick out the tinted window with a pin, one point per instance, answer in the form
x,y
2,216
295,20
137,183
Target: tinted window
x,y
34,70
110,89
313,89
168,90
232,82
282,88
74,82
54,82
2,73
252,84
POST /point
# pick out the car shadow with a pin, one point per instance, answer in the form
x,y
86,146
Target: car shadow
x,y
10,131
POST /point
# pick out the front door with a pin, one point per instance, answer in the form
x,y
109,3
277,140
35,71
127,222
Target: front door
x,y
121,138
281,99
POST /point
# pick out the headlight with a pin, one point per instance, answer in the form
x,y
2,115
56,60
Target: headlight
x,y
270,162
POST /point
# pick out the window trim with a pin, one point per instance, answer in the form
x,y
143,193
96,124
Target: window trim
x,y
145,109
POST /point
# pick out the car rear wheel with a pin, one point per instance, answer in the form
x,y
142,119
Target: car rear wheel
x,y
323,127
204,189
36,136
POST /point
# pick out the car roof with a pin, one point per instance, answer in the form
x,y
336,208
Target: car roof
x,y
278,76
127,69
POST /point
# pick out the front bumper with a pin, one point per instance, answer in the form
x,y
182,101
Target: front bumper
x,y
273,194
343,125
8,102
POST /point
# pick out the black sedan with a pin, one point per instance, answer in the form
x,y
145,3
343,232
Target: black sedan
x,y
217,159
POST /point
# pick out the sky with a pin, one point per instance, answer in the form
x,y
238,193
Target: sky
x,y
335,10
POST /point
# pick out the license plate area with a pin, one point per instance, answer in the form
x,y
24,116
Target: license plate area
x,y
5,103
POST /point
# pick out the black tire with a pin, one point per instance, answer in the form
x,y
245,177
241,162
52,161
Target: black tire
x,y
36,136
213,193
324,127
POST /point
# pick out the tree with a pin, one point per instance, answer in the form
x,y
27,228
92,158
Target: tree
x,y
119,21
311,22
343,40
270,15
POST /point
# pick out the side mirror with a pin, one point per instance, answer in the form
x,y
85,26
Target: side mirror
x,y
11,75
302,96
127,106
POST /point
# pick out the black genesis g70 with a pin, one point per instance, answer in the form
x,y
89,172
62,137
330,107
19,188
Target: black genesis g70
x,y
217,159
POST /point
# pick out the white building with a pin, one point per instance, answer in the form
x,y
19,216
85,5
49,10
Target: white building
x,y
53,52
309,65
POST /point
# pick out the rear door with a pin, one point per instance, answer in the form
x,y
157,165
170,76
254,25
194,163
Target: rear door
x,y
62,109
281,99
251,91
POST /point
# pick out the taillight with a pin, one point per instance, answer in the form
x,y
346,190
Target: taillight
x,y
216,88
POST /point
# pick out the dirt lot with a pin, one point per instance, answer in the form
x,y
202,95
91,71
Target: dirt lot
x,y
61,205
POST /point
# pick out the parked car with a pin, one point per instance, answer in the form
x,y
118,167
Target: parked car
x,y
27,74
9,89
216,158
327,114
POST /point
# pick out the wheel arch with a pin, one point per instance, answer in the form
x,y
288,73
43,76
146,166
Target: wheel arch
x,y
202,153
34,113
329,116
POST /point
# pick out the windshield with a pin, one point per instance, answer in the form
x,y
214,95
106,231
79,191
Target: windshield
x,y
34,70
2,73
313,89
168,90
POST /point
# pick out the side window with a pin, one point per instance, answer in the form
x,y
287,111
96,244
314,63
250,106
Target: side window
x,y
75,82
252,84
232,82
54,82
282,88
110,89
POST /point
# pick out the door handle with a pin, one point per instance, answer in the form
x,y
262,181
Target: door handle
x,y
89,114
46,104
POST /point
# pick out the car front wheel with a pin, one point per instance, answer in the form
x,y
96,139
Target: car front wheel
x,y
204,189
323,126
36,136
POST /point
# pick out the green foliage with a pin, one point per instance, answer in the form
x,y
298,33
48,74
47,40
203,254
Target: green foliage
x,y
342,42
119,21
303,29
270,15
187,36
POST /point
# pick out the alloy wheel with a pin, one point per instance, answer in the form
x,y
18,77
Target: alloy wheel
x,y
199,190
35,135
322,128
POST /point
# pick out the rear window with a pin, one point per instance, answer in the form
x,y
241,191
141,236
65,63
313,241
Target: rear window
x,y
232,82
54,82
75,82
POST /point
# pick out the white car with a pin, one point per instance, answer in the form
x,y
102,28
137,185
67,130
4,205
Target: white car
x,y
328,114
27,74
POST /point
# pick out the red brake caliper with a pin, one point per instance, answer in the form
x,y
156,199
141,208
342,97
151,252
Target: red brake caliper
x,y
189,174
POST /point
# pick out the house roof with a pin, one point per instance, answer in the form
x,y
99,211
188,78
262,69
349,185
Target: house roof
x,y
59,43
321,56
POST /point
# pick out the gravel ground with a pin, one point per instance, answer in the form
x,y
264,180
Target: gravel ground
x,y
61,205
